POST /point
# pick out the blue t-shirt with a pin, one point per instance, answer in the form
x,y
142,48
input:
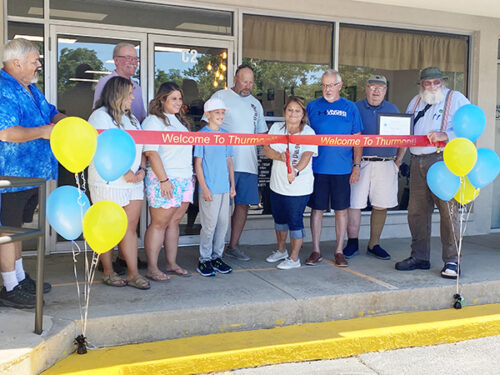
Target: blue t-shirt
x,y
369,117
19,107
340,117
214,164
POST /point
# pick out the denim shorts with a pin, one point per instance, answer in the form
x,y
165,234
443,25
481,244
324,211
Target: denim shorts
x,y
288,213
331,190
247,191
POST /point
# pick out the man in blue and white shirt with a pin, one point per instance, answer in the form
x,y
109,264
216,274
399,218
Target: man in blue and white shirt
x,y
26,122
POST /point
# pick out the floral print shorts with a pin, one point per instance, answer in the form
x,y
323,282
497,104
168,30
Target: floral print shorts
x,y
183,191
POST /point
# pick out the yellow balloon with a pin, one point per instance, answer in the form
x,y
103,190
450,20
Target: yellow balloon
x,y
73,142
460,155
104,225
466,192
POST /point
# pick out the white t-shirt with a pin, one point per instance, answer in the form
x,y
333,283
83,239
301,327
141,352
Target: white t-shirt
x,y
303,183
100,119
245,116
177,159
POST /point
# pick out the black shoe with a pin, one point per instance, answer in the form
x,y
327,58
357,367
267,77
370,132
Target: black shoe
x,y
29,285
352,248
411,264
205,269
18,298
220,266
118,266
378,252
140,264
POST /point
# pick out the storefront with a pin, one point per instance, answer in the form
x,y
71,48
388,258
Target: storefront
x,y
199,45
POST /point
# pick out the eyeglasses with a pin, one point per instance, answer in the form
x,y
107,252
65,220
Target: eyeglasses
x,y
129,58
435,82
329,85
375,88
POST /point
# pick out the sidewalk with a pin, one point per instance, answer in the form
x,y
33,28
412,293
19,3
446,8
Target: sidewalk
x,y
255,296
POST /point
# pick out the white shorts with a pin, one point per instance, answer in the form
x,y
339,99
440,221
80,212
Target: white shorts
x,y
117,195
378,181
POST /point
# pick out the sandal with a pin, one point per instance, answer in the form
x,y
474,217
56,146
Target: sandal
x,y
179,272
114,280
139,282
158,276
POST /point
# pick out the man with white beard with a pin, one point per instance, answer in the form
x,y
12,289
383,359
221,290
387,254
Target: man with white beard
x,y
433,109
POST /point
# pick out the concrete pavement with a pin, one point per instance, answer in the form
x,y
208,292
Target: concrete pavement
x,y
255,296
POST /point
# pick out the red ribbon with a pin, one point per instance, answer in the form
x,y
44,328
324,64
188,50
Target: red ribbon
x,y
151,137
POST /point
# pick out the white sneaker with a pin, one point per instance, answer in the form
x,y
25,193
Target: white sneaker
x,y
276,256
288,264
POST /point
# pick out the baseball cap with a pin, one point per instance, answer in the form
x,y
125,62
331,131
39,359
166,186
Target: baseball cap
x,y
376,78
213,104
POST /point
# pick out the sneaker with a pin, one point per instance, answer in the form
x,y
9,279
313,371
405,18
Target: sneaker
x,y
288,264
314,259
276,256
18,298
205,269
340,260
237,254
29,285
220,266
410,264
352,248
378,252
450,270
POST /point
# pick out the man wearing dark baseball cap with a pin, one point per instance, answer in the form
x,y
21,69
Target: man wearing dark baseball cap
x,y
433,109
378,179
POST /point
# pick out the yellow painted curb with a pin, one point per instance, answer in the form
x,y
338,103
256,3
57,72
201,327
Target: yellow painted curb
x,y
305,342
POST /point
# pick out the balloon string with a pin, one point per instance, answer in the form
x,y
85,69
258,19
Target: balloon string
x,y
75,261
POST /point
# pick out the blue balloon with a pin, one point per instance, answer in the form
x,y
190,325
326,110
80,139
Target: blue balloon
x,y
486,168
442,182
469,122
66,206
115,154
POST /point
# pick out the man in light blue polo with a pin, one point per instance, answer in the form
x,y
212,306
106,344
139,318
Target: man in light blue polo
x,y
246,116
378,180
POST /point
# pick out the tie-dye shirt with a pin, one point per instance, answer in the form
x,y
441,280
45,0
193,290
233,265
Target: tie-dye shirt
x,y
19,107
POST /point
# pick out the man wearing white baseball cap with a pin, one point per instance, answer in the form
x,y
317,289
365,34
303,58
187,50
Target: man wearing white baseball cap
x,y
214,170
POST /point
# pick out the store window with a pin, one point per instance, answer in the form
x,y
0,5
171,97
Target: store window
x,y
34,33
399,55
141,14
25,8
289,57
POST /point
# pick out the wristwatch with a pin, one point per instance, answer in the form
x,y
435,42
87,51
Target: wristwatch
x,y
356,165
296,171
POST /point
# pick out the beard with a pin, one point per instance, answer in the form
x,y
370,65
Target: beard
x,y
35,77
432,97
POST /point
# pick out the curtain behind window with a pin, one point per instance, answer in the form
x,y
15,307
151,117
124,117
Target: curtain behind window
x,y
287,40
398,50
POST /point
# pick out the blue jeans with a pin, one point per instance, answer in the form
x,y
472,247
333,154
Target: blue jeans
x,y
288,213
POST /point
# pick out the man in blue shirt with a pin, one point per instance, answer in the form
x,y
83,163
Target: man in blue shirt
x,y
26,122
378,179
335,168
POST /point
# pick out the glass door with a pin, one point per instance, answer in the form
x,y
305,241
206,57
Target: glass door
x,y
81,58
200,67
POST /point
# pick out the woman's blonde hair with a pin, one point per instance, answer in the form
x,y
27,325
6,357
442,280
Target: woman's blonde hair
x,y
300,102
114,93
156,105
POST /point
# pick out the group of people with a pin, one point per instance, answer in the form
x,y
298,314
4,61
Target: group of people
x,y
321,177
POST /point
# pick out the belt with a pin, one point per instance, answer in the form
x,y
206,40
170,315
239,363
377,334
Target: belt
x,y
376,158
424,155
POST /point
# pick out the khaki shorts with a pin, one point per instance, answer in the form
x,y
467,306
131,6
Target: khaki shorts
x,y
378,181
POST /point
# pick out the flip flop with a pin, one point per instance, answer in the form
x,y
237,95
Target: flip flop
x,y
114,280
158,276
179,272
139,282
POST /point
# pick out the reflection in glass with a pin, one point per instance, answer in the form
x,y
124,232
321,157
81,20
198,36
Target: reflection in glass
x,y
142,14
25,8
